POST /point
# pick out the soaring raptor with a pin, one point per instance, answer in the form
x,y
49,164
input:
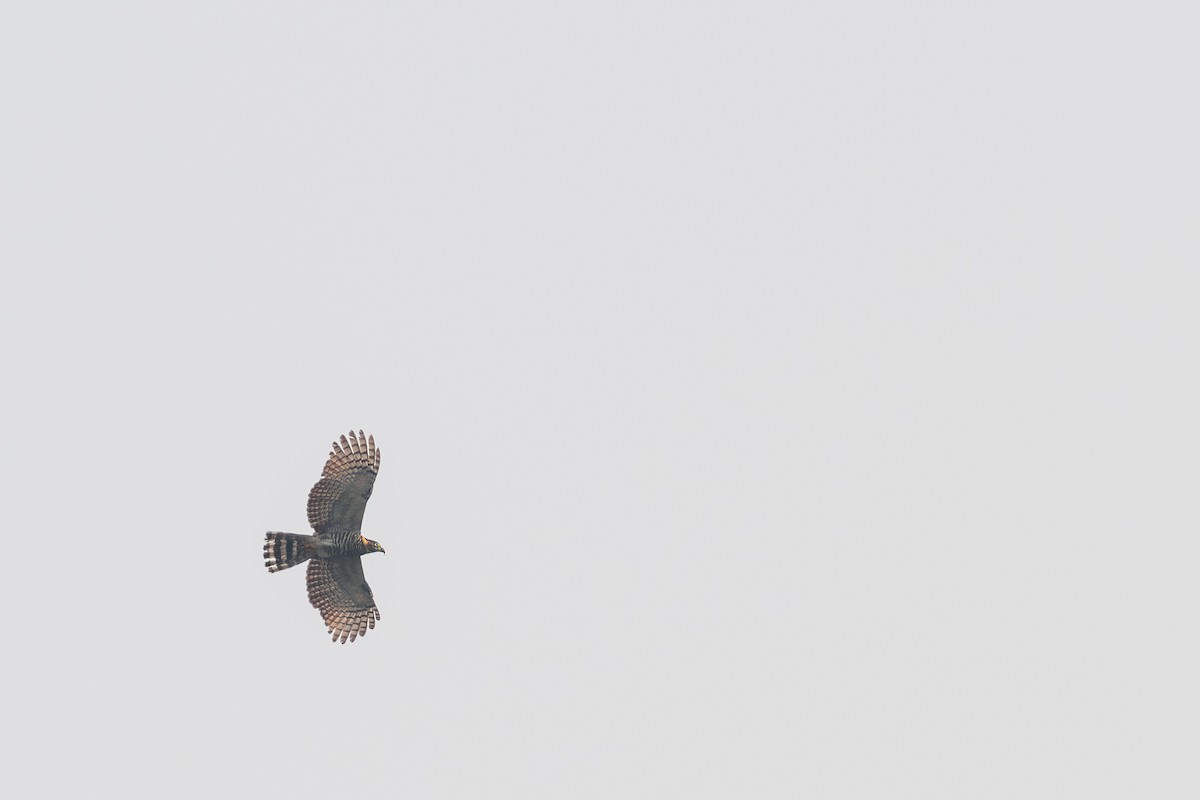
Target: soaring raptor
x,y
336,586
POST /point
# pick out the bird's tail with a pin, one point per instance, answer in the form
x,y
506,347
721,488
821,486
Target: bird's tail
x,y
284,550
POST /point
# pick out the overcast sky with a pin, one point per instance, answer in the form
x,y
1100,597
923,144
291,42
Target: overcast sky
x,y
776,400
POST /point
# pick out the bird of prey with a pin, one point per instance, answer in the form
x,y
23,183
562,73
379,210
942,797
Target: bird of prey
x,y
336,586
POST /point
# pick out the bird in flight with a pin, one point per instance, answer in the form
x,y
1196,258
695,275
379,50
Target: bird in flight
x,y
336,585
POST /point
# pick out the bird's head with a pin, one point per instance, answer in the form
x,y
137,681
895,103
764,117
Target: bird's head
x,y
372,545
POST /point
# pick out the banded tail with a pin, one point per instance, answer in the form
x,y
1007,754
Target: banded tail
x,y
284,550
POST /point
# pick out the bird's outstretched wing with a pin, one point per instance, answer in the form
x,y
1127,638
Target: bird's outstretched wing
x,y
338,500
338,589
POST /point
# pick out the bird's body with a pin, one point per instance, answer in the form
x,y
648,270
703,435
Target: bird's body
x,y
336,585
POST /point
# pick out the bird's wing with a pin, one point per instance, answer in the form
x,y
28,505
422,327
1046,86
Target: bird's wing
x,y
338,500
338,589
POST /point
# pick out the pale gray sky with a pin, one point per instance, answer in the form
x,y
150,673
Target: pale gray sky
x,y
776,400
